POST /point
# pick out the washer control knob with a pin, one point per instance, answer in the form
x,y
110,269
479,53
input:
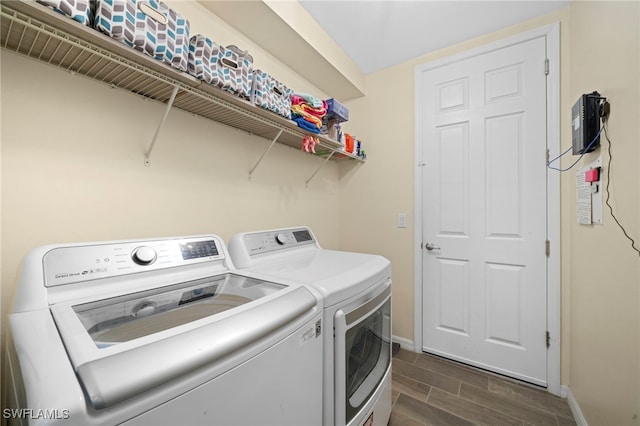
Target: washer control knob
x,y
144,255
281,239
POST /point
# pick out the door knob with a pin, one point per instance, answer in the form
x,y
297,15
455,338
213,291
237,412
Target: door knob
x,y
430,246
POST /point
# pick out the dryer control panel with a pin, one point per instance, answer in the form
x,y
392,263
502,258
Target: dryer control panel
x,y
77,263
243,246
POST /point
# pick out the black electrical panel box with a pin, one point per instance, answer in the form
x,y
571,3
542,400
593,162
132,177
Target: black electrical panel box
x,y
585,115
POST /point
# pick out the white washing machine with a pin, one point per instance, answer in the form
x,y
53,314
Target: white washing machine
x,y
356,289
160,331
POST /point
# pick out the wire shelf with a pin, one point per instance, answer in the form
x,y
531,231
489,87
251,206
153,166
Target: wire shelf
x,y
38,32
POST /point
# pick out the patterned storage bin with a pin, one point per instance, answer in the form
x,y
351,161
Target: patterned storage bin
x,y
149,26
78,10
226,67
269,93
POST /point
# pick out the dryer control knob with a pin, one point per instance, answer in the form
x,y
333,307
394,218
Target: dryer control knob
x,y
144,255
281,239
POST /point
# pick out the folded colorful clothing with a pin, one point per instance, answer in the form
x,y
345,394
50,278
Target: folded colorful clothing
x,y
304,124
311,100
297,100
310,123
318,112
299,110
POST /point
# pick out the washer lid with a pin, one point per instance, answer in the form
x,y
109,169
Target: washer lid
x,y
129,344
124,318
337,275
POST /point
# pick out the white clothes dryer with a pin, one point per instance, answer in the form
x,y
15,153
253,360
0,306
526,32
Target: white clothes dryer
x,y
160,332
356,288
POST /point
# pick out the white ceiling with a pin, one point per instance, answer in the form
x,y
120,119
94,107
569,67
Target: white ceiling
x,y
377,34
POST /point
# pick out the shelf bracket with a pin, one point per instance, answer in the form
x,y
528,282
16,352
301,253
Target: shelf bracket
x,y
253,169
147,155
318,169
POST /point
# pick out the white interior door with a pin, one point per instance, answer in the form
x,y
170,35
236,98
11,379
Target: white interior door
x,y
484,289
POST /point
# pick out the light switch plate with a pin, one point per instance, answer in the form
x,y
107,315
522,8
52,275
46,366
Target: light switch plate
x,y
402,220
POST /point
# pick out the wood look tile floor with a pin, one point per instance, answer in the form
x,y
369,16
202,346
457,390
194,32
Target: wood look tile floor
x,y
429,390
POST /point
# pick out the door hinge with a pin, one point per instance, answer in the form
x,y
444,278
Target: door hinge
x,y
548,339
546,66
547,248
548,156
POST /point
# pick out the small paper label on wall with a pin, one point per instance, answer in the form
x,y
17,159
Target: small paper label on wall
x,y
583,191
589,196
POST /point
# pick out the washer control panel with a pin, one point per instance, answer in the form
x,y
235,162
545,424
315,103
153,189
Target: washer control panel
x,y
282,239
71,264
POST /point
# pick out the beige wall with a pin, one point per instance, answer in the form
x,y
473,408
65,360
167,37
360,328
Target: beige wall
x,y
72,164
600,279
604,367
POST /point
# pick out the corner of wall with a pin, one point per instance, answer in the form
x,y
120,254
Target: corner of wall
x,y
576,411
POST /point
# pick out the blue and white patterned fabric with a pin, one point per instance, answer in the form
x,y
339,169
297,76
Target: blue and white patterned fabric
x,y
270,94
78,10
148,26
226,67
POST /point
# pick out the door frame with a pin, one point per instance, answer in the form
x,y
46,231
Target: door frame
x,y
552,35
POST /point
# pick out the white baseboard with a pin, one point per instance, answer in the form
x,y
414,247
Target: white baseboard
x,y
404,343
574,406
